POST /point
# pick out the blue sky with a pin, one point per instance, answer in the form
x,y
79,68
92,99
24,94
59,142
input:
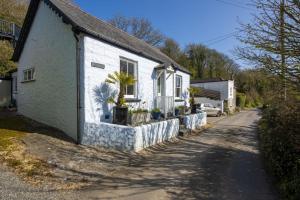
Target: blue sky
x,y
186,21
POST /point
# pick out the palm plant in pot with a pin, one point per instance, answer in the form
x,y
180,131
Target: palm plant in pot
x,y
120,111
193,91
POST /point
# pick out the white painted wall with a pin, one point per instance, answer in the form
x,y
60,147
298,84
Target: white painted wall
x,y
51,50
226,88
95,92
5,92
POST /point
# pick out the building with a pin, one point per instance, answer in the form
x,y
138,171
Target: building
x,y
8,32
64,56
225,87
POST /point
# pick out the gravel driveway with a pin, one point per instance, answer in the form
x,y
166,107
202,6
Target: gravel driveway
x,y
221,163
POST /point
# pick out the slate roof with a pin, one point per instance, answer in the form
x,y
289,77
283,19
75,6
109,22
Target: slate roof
x,y
211,94
208,80
86,23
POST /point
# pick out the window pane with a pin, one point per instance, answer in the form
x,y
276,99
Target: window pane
x,y
130,90
32,74
25,75
131,69
159,85
178,81
29,75
123,66
178,92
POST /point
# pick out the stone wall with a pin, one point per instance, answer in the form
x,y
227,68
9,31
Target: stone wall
x,y
151,134
195,121
126,138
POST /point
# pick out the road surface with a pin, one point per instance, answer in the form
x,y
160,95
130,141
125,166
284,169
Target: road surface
x,y
223,162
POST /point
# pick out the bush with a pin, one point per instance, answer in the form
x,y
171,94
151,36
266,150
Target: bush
x,y
240,100
280,144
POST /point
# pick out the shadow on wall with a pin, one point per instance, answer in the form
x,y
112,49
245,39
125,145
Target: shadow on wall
x,y
102,93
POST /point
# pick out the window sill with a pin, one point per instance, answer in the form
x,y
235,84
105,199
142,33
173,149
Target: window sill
x,y
27,81
179,100
132,100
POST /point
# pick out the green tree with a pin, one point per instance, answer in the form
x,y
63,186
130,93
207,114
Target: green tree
x,y
13,11
6,51
172,49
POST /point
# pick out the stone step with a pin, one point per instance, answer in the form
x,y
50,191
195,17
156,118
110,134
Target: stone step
x,y
181,127
184,132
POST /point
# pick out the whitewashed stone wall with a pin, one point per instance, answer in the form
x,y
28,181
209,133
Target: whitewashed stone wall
x,y
195,121
126,138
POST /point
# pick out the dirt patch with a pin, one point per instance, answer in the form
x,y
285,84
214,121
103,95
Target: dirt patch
x,y
14,131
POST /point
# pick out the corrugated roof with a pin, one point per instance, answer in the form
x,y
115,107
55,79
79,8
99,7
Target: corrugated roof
x,y
208,80
211,94
86,23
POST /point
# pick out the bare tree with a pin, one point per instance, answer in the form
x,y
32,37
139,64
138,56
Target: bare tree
x,y
140,28
272,40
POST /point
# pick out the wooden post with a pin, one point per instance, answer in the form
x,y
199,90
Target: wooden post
x,y
165,92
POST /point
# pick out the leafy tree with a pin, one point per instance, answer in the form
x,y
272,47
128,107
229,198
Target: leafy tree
x,y
140,28
172,49
197,56
13,10
6,51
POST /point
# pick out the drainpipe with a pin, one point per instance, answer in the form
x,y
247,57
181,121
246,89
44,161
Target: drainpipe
x,y
77,38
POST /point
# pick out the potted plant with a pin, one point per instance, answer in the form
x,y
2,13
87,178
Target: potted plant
x,y
179,110
120,111
156,113
193,91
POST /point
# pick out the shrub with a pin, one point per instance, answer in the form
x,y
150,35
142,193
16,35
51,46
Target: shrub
x,y
240,100
280,144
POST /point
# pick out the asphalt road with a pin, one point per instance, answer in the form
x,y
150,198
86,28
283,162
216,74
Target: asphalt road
x,y
221,163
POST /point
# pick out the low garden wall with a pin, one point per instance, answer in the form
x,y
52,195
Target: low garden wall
x,y
126,138
195,121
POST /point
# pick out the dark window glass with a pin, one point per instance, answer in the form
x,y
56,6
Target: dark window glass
x,y
123,66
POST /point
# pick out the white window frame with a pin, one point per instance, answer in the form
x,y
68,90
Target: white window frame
x,y
28,75
159,84
180,87
135,88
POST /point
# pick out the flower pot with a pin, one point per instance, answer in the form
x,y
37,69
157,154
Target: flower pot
x,y
177,111
194,109
120,115
156,115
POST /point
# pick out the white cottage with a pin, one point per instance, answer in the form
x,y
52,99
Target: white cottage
x,y
64,56
224,87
